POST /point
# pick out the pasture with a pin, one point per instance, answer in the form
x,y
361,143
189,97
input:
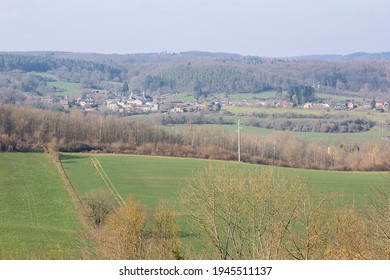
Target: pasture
x,y
65,88
38,218
263,94
154,179
338,97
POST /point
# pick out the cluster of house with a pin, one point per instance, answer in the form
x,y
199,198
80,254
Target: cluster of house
x,y
132,104
146,104
350,105
335,105
140,103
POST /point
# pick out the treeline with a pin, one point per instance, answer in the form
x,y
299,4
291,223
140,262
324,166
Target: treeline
x,y
285,122
26,129
173,119
332,125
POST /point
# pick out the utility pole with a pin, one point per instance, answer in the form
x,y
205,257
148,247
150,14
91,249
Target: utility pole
x,y
381,130
238,140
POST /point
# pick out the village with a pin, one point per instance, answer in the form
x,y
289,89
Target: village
x,y
140,103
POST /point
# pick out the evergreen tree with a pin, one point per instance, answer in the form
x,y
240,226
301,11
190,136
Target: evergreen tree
x,y
125,87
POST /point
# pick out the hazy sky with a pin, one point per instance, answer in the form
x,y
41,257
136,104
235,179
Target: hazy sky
x,y
248,27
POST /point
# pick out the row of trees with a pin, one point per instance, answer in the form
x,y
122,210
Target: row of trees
x,y
26,129
332,125
285,122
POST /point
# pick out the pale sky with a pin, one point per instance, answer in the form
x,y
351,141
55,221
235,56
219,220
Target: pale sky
x,y
271,28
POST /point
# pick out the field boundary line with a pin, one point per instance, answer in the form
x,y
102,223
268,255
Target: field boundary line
x,y
108,182
77,202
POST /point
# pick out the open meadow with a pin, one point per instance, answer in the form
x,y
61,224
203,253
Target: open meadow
x,y
152,179
38,218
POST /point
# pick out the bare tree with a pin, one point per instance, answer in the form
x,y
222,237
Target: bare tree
x,y
313,229
126,234
242,214
378,216
98,204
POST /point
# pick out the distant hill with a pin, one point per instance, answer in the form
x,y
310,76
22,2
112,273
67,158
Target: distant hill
x,y
199,73
358,56
166,56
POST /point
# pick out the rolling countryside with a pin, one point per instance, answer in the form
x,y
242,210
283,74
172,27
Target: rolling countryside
x,y
193,156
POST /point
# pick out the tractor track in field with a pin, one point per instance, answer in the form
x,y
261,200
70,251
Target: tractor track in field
x,y
107,181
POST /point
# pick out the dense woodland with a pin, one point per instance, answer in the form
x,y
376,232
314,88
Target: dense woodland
x,y
26,129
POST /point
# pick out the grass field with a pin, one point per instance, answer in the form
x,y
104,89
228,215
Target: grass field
x,y
338,97
73,90
38,219
68,89
151,179
263,94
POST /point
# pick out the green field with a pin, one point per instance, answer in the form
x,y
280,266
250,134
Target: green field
x,y
67,89
152,179
38,218
338,97
40,221
263,94
73,90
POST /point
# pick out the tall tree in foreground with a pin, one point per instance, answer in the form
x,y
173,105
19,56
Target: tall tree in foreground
x,y
239,214
243,215
378,216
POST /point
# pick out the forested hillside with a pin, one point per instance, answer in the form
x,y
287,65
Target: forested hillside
x,y
196,72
